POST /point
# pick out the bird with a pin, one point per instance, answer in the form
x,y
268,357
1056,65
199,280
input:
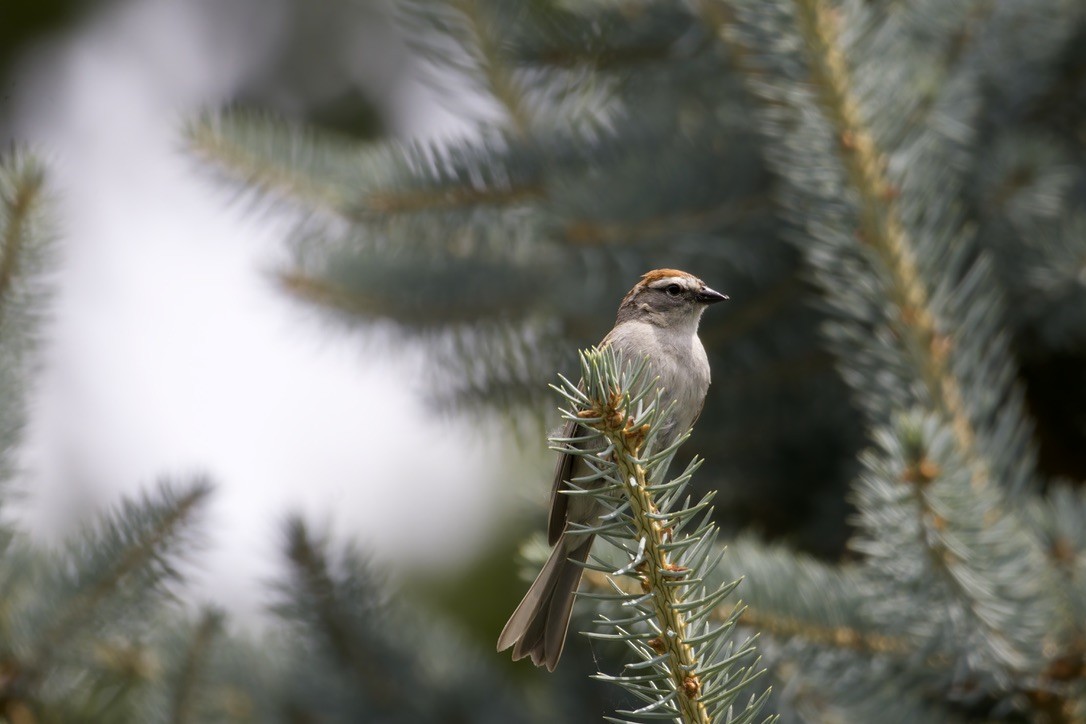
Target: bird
x,y
658,321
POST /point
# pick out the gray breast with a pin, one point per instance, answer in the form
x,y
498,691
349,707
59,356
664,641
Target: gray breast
x,y
678,359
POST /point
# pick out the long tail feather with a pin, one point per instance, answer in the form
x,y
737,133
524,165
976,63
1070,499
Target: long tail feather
x,y
539,625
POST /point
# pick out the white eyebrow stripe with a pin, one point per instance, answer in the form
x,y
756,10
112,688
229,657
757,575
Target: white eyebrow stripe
x,y
667,281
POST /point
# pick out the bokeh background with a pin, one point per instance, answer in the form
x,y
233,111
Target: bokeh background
x,y
170,351
331,254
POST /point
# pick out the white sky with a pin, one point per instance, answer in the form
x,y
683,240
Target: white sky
x,y
171,353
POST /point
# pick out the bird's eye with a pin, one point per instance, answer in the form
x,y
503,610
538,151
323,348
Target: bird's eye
x,y
674,290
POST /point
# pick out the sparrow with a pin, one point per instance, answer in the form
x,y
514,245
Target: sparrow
x,y
658,321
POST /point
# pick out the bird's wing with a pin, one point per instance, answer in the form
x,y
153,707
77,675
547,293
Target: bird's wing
x,y
563,471
697,414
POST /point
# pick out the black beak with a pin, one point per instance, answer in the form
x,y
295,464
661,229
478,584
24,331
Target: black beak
x,y
709,296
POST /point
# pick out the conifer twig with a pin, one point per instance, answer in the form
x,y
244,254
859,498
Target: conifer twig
x,y
881,227
688,668
502,84
783,627
19,201
658,573
391,202
151,543
195,656
593,232
208,138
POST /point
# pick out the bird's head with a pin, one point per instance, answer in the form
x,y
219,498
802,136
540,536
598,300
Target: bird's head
x,y
668,298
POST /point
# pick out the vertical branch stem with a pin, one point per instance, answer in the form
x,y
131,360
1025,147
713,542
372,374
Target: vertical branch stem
x,y
18,201
659,575
502,84
881,227
184,705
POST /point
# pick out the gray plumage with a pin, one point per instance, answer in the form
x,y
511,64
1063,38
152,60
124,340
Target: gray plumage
x,y
657,319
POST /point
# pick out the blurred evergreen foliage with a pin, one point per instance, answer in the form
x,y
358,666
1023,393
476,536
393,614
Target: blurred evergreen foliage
x,y
892,193
92,632
646,134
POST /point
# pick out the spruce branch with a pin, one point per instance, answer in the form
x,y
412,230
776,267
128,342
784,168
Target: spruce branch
x,y
126,556
337,602
935,541
688,667
362,652
469,37
923,331
22,192
322,292
364,182
881,225
77,621
26,244
494,66
367,288
927,327
189,680
315,594
589,232
781,626
249,149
